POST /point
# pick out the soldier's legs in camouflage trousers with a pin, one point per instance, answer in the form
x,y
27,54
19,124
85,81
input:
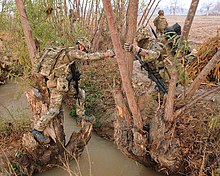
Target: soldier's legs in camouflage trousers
x,y
56,99
80,104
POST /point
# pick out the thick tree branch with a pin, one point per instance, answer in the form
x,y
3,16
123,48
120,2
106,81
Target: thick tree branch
x,y
131,22
27,29
189,19
201,77
122,65
169,107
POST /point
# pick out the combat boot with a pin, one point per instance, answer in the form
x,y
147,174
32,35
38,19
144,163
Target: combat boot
x,y
39,137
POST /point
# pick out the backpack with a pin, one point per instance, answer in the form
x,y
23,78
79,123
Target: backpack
x,y
162,23
47,61
174,28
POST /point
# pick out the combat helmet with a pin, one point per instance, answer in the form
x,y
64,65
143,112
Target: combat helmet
x,y
143,33
85,42
161,12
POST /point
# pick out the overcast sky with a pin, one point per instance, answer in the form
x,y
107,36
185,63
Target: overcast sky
x,y
186,3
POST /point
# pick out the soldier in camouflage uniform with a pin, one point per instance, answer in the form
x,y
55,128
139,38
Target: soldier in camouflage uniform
x,y
55,67
150,51
160,22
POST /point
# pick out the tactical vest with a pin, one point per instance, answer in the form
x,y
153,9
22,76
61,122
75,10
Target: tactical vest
x,y
55,68
46,63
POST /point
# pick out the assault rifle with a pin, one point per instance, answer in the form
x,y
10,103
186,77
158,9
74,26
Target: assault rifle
x,y
153,31
159,81
74,76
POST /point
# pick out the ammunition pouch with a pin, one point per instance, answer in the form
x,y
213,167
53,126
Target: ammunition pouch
x,y
62,85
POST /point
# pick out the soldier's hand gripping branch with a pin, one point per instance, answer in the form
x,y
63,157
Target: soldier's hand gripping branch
x,y
128,47
111,53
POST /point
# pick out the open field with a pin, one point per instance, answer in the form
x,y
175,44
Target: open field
x,y
202,28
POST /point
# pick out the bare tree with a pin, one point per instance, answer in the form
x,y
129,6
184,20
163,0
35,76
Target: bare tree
x,y
216,7
174,4
122,64
38,98
27,29
189,19
207,6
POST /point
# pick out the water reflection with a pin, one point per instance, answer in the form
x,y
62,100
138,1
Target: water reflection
x,y
100,158
12,105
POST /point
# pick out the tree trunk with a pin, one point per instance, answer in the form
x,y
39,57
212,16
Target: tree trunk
x,y
144,19
189,19
27,30
130,31
40,157
122,66
135,132
203,74
169,108
144,13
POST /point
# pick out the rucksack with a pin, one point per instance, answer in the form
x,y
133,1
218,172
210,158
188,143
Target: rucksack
x,y
162,23
174,28
47,61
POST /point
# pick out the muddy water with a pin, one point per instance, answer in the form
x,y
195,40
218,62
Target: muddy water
x,y
13,104
100,158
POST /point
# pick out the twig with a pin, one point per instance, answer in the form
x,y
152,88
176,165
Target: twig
x,y
8,163
152,13
145,10
203,162
179,111
8,111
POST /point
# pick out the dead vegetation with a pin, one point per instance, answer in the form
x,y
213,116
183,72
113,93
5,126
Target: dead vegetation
x,y
205,52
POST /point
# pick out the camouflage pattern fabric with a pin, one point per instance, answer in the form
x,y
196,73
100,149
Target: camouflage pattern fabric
x,y
160,23
143,33
155,53
85,42
56,72
56,99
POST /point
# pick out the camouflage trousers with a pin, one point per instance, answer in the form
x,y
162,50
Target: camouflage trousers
x,y
56,99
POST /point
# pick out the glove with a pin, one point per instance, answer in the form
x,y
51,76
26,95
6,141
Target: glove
x,y
128,47
111,53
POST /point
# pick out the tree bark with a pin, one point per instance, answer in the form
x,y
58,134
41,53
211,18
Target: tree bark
x,y
201,77
169,107
40,157
27,30
122,65
144,13
189,19
131,23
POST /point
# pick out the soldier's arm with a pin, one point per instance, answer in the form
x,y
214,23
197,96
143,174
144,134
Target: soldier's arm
x,y
148,55
77,54
155,21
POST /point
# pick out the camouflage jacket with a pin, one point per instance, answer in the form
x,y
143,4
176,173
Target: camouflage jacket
x,y
160,22
56,60
154,52
55,63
